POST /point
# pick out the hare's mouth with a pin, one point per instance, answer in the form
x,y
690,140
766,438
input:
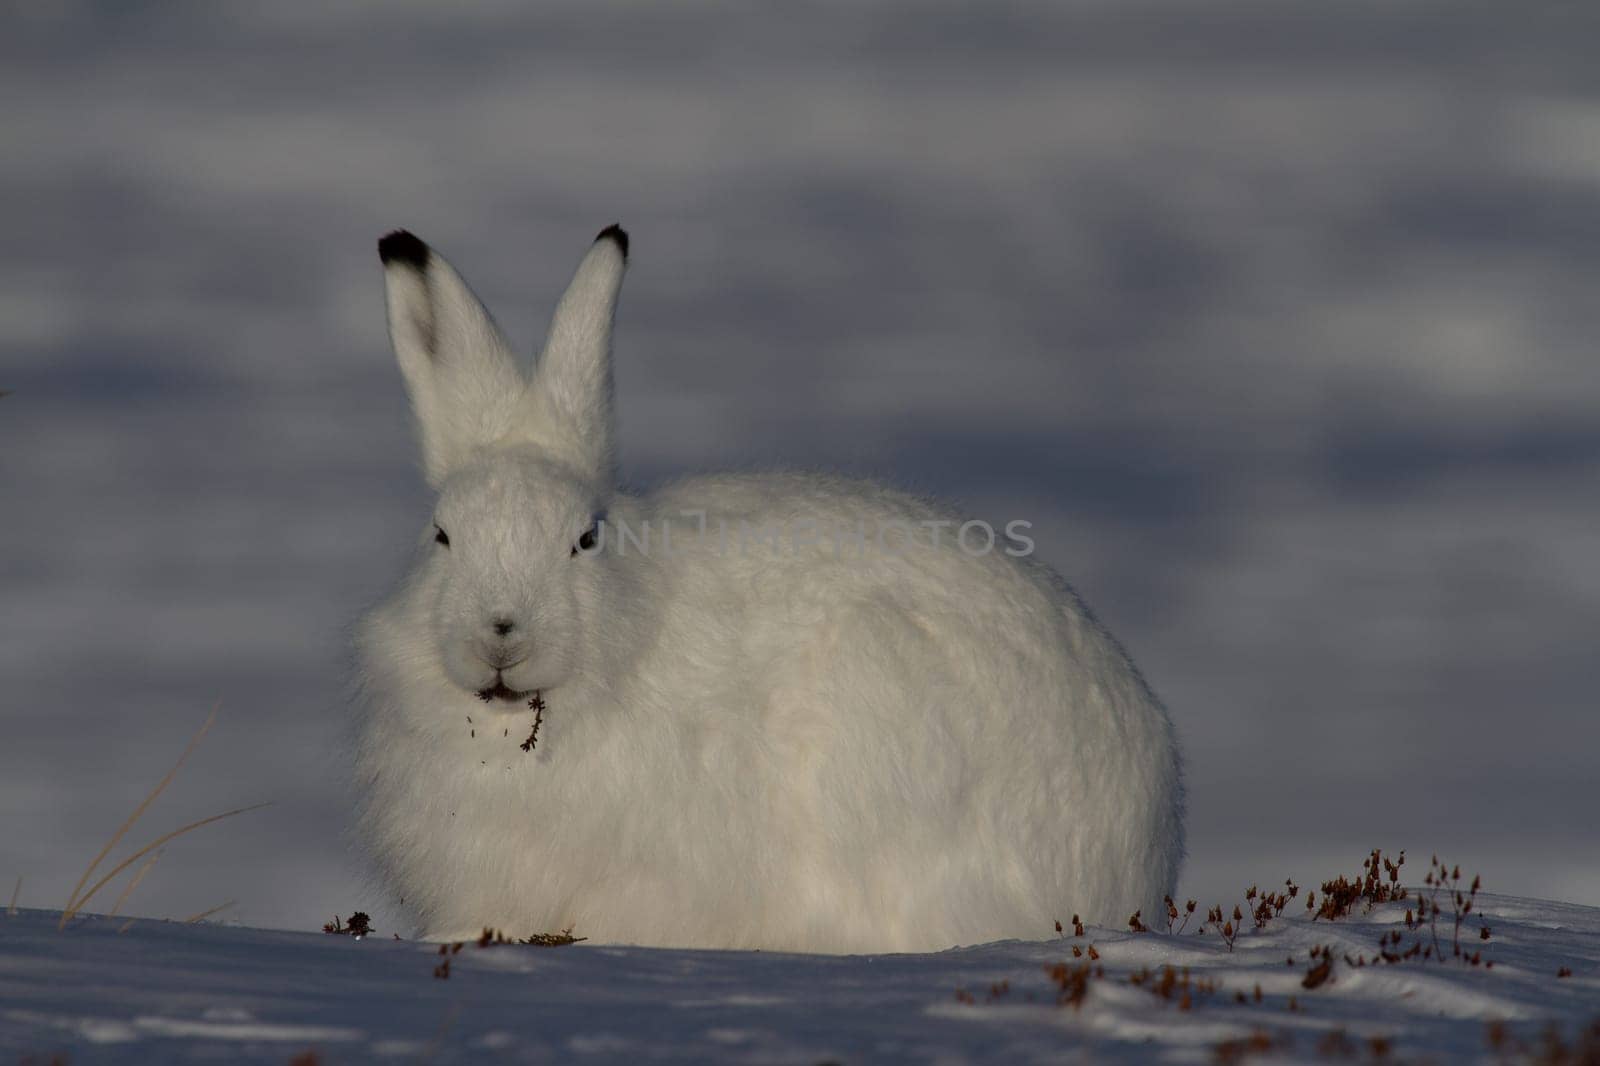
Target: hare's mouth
x,y
501,691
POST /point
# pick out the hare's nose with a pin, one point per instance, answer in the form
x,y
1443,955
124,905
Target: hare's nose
x,y
503,626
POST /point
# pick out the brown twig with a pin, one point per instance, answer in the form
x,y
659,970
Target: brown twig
x,y
537,706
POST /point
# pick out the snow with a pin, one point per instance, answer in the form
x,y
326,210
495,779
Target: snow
x,y
105,990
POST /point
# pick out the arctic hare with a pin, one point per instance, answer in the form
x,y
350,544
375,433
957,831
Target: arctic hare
x,y
732,712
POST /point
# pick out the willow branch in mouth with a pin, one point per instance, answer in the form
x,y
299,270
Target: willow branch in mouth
x,y
499,691
537,706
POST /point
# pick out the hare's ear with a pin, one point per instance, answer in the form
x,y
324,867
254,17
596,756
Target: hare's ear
x,y
572,384
458,369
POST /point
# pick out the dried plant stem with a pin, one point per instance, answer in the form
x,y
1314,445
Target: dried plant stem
x,y
11,911
133,884
148,848
74,902
431,1052
203,915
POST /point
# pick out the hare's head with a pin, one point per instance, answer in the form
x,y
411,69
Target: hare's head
x,y
523,465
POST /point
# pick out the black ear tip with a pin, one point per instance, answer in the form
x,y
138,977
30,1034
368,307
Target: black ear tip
x,y
404,247
616,233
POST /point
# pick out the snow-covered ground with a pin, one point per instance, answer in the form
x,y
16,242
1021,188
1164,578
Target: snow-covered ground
x,y
105,990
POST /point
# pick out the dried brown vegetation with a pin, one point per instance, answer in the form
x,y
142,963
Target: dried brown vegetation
x,y
80,896
1378,882
1265,906
1227,929
1550,1049
1077,927
1072,983
1321,968
1424,919
1260,1042
360,925
1174,985
1172,915
494,938
1445,897
536,705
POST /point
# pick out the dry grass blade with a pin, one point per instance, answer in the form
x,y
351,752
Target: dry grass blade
x,y
11,911
133,884
203,915
74,902
431,1052
148,848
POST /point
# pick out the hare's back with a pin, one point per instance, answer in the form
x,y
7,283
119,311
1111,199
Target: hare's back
x,y
782,555
931,694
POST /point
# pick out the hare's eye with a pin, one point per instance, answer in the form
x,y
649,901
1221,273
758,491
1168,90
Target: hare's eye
x,y
441,536
587,542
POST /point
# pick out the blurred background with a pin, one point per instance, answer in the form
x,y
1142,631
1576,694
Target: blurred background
x,y
1276,321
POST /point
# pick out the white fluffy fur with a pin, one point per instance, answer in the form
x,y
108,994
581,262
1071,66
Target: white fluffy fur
x,y
776,748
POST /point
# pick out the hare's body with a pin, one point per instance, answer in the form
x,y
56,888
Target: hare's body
x,y
770,725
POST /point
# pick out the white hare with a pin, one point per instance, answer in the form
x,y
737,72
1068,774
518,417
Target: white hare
x,y
773,725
